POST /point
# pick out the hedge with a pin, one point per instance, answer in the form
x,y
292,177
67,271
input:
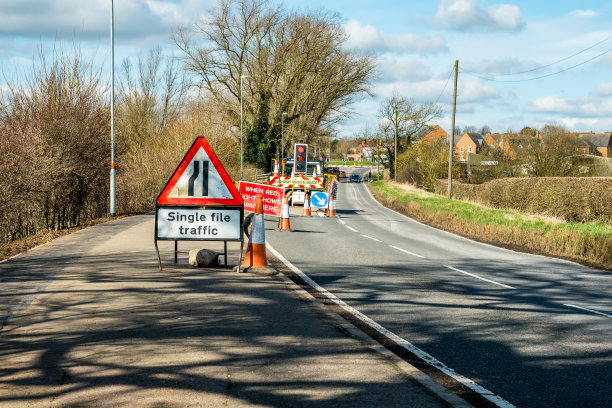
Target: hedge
x,y
573,199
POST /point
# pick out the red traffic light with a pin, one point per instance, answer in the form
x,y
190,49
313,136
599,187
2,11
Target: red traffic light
x,y
300,149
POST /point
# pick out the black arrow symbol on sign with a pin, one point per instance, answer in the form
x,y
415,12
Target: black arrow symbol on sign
x,y
194,176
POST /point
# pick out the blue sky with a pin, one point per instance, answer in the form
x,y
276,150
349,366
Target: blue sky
x,y
501,47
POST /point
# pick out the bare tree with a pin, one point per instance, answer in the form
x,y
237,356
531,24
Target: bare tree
x,y
551,154
151,94
408,118
295,63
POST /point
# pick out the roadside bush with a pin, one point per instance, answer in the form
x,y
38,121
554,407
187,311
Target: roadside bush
x,y
53,148
425,162
574,199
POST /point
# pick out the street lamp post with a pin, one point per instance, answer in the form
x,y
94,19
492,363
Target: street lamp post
x,y
283,135
241,127
113,210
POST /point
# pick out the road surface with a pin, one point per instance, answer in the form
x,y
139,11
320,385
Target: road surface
x,y
534,330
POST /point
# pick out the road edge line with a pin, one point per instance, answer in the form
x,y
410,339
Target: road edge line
x,y
427,381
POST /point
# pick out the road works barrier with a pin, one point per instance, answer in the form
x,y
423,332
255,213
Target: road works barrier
x,y
331,206
255,259
283,224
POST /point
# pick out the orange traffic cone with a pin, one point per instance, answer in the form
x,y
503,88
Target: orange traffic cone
x,y
331,205
255,259
284,220
306,210
275,168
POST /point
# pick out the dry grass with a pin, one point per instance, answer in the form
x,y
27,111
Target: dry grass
x,y
587,243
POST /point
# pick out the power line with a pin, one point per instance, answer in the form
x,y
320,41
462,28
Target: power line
x,y
538,77
445,85
547,65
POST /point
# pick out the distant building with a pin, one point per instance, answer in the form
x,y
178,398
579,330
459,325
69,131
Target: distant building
x,y
600,143
469,143
431,134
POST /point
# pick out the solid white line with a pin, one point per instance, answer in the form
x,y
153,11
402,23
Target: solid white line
x,y
352,229
373,239
408,252
341,222
500,402
588,310
480,277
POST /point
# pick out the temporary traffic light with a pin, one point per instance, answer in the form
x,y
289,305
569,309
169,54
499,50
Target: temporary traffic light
x,y
300,158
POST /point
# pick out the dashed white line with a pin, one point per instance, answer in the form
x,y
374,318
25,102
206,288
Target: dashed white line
x,y
351,228
341,222
588,310
480,277
408,252
368,237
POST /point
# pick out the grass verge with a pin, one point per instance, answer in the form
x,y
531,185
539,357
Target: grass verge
x,y
586,243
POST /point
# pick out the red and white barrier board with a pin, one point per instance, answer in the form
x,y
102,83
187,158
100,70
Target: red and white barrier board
x,y
272,197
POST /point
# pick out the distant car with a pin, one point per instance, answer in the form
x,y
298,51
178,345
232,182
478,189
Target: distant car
x,y
355,178
342,174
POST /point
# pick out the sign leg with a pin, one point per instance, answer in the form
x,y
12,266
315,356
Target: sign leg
x,y
225,251
175,251
158,257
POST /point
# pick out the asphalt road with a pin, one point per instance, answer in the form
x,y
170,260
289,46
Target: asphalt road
x,y
534,330
88,320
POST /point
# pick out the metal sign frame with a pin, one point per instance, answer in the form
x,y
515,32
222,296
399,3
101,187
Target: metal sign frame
x,y
199,203
210,207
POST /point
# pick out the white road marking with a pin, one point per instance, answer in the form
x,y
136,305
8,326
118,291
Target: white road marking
x,y
408,252
341,222
373,239
500,402
480,277
351,228
588,310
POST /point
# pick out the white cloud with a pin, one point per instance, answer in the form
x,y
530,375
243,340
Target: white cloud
x,y
466,15
584,13
581,107
502,66
393,68
477,91
603,89
370,38
76,18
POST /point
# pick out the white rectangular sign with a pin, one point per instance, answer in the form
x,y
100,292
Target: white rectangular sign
x,y
198,224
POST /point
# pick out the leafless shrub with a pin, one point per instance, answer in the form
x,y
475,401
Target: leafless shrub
x,y
54,143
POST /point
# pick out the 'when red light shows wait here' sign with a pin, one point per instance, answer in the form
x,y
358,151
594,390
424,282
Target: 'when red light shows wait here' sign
x,y
272,197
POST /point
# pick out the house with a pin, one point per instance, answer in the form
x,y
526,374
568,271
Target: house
x,y
584,146
431,134
469,143
601,142
494,140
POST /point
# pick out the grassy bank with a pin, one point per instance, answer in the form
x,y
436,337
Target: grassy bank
x,y
588,243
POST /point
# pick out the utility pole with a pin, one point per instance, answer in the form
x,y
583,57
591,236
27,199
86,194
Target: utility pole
x,y
395,154
452,136
377,155
283,135
113,209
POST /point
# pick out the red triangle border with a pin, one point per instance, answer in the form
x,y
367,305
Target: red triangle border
x,y
163,199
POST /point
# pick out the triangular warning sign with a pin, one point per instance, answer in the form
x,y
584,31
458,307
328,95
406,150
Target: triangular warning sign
x,y
200,179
